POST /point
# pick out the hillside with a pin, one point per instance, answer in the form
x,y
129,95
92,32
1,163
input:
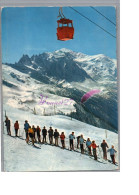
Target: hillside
x,y
18,156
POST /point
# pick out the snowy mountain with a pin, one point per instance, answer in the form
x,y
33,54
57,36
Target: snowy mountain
x,y
99,67
65,74
64,64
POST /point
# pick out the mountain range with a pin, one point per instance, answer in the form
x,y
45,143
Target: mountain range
x,y
65,73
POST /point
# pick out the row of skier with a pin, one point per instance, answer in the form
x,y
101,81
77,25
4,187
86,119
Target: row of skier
x,y
34,133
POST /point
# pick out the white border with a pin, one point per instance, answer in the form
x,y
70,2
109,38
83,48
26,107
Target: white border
x,y
36,3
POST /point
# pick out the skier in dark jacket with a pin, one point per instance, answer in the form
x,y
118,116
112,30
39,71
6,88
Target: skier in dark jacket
x,y
82,140
38,130
104,147
8,125
34,129
56,136
50,135
71,138
78,142
16,127
44,133
26,127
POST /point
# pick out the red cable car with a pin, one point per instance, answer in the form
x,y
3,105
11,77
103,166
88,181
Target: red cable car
x,y
65,30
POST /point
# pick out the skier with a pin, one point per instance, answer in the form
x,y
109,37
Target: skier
x,y
50,135
78,137
88,143
16,127
112,153
44,133
34,129
30,135
94,146
38,130
104,146
56,136
81,140
62,137
71,137
8,125
26,126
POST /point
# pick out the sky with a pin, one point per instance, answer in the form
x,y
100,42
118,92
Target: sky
x,y
32,30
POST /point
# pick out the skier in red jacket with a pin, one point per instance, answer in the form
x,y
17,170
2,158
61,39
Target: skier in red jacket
x,y
62,137
16,127
94,146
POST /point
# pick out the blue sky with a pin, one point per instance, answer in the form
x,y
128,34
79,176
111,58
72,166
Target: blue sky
x,y
32,30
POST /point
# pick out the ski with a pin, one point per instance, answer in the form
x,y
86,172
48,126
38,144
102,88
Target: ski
x,y
77,151
20,137
29,142
37,147
110,161
97,160
12,136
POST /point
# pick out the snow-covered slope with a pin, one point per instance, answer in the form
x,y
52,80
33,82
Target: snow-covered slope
x,y
18,156
23,92
99,67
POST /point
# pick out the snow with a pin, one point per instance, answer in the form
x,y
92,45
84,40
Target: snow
x,y
31,67
18,156
19,102
49,158
64,50
97,65
26,95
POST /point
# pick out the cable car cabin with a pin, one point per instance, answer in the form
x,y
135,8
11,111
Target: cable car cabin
x,y
65,30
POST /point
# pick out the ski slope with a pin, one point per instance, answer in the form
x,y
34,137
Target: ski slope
x,y
18,156
26,92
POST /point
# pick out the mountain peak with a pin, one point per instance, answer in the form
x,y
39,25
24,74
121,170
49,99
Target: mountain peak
x,y
25,60
65,50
